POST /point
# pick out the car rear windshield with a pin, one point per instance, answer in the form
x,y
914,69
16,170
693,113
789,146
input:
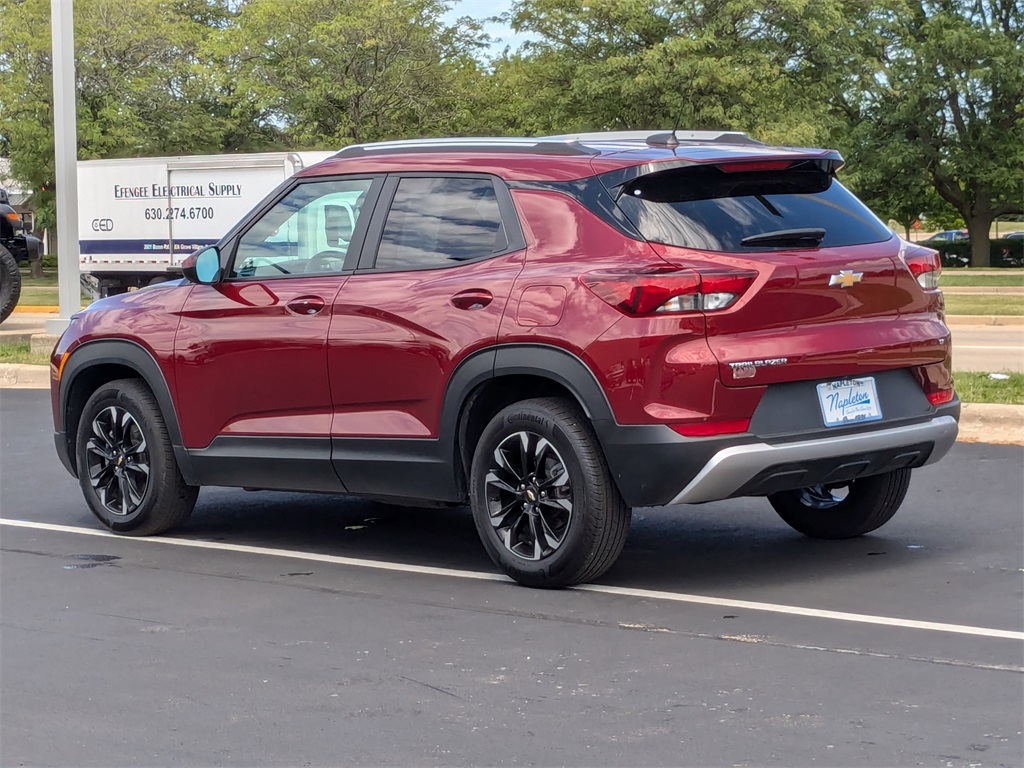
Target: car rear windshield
x,y
709,209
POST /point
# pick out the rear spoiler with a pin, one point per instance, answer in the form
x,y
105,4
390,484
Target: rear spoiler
x,y
828,160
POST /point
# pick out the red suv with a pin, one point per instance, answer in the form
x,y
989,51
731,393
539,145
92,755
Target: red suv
x,y
553,330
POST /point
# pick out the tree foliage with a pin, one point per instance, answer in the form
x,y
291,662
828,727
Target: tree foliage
x,y
927,95
142,88
628,64
332,72
923,97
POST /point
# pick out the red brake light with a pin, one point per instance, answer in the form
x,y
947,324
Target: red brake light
x,y
721,287
643,292
926,267
940,397
755,165
660,290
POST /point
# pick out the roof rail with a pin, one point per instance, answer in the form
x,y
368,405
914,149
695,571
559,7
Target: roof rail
x,y
658,138
540,145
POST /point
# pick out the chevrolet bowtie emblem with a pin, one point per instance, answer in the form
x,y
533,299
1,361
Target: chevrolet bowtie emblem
x,y
846,278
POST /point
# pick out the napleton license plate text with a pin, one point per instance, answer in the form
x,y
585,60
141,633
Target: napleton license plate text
x,y
849,400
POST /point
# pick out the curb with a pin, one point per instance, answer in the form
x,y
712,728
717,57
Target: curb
x,y
991,423
42,309
22,376
979,422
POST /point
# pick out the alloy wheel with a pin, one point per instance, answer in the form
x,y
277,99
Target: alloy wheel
x,y
529,496
118,461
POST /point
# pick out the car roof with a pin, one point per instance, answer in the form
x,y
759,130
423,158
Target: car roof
x,y
563,157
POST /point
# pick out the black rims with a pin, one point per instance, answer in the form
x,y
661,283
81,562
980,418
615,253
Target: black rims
x,y
117,460
126,463
529,495
545,505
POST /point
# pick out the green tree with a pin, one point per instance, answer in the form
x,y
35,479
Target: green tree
x,y
142,88
905,198
923,90
332,72
632,64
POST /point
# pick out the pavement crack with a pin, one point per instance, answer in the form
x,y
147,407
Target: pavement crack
x,y
431,687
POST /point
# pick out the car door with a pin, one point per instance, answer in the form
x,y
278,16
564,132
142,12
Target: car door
x,y
432,284
250,351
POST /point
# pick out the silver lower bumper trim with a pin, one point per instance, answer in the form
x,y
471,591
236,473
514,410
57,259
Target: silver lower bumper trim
x,y
730,469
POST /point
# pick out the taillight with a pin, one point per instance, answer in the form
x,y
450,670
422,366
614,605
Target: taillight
x,y
940,397
926,267
659,290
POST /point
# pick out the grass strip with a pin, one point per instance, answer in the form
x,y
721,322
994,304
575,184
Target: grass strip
x,y
21,352
957,279
973,304
982,388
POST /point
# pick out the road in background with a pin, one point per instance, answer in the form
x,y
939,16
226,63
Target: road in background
x,y
988,348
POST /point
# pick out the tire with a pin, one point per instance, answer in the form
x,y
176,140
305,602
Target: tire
x,y
10,283
566,493
121,419
821,513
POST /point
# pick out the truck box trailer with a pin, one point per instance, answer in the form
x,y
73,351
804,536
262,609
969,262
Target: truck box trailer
x,y
139,217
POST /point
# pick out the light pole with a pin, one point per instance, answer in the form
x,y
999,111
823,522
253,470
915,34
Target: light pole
x,y
65,141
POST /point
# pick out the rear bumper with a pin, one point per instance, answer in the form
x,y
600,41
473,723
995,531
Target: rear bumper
x,y
761,468
654,466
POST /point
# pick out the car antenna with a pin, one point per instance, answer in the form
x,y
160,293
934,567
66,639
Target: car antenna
x,y
672,141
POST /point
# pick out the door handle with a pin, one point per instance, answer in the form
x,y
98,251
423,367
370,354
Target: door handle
x,y
474,298
306,305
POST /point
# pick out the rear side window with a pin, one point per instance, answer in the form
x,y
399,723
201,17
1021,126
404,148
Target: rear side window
x,y
708,209
434,222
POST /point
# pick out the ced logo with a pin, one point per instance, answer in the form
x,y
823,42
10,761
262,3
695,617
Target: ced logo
x,y
102,225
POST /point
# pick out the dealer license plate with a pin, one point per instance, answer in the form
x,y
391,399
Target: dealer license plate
x,y
849,401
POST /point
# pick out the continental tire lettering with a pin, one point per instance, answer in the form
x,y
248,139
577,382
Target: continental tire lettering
x,y
527,416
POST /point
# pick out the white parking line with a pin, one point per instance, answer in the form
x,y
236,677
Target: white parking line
x,y
428,570
861,618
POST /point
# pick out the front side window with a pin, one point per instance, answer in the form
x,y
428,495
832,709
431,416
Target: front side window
x,y
435,222
307,232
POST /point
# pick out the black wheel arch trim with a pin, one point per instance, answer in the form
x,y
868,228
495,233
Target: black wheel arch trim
x,y
132,355
541,360
545,361
561,366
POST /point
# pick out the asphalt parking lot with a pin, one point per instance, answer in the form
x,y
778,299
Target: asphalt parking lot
x,y
281,629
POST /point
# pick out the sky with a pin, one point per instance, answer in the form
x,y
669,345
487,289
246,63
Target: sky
x,y
481,9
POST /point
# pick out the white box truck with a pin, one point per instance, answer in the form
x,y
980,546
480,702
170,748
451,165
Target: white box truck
x,y
139,217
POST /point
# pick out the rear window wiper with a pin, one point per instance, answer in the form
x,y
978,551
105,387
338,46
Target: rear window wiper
x,y
804,238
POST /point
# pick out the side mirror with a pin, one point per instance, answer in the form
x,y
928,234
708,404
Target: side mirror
x,y
203,267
